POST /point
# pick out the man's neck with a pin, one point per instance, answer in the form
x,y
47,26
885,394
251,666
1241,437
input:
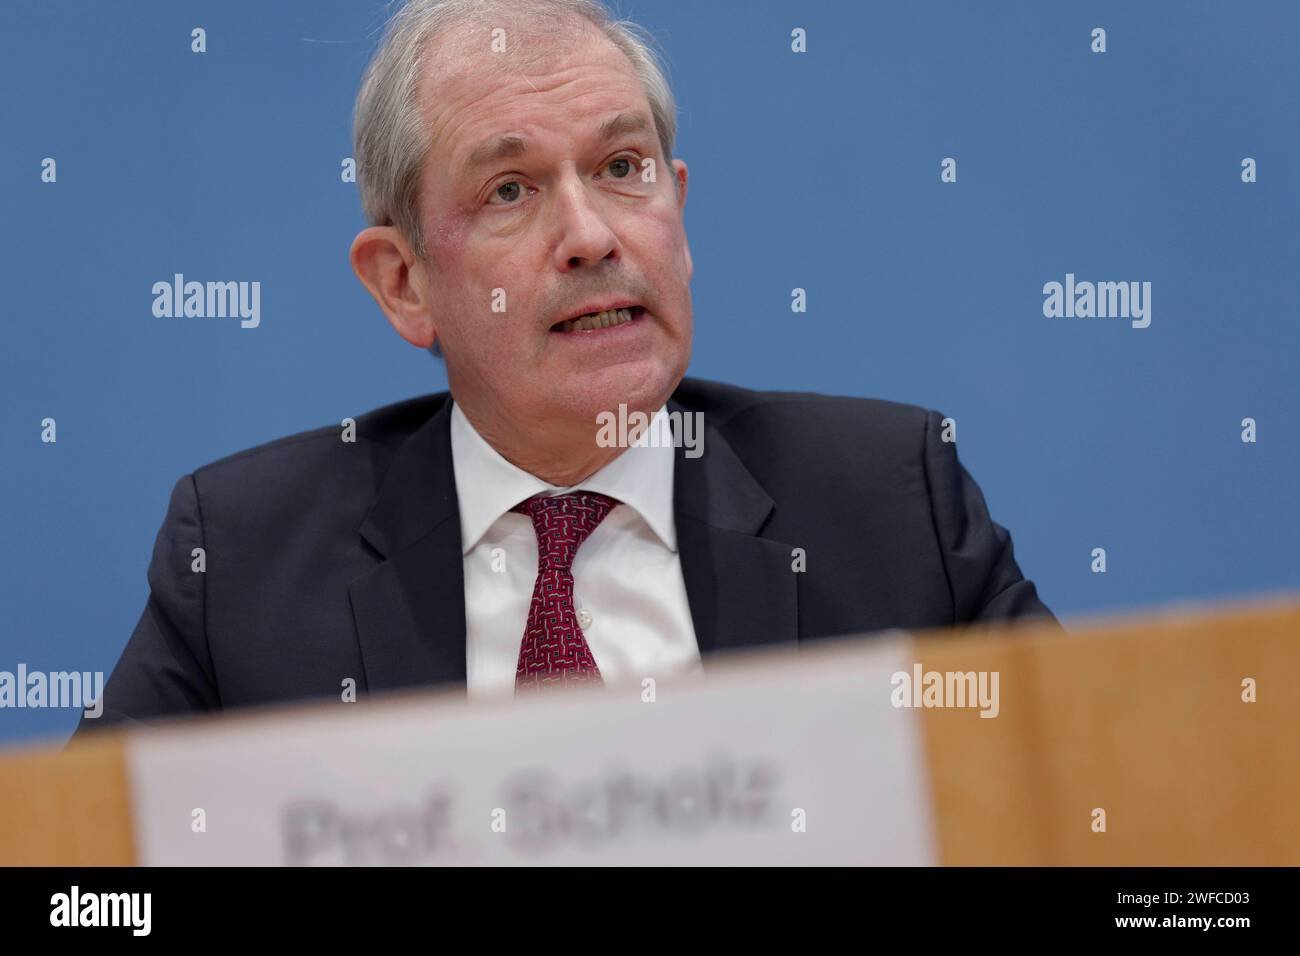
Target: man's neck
x,y
563,453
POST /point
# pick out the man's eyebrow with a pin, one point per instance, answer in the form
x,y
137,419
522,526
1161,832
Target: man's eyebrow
x,y
500,147
512,145
622,124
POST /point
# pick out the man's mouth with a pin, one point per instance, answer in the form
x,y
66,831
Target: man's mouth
x,y
594,321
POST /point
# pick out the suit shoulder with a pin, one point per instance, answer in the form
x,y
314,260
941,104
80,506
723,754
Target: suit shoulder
x,y
802,417
320,454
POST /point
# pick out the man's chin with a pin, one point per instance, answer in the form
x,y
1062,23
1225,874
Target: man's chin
x,y
616,390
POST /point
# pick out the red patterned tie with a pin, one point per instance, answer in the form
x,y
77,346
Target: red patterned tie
x,y
554,650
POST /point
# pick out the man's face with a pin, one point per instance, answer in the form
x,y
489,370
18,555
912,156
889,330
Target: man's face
x,y
562,227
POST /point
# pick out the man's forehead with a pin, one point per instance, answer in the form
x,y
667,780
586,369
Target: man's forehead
x,y
474,97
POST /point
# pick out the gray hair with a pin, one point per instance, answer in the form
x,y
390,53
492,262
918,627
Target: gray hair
x,y
390,140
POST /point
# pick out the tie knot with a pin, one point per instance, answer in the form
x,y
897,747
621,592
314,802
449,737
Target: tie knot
x,y
563,522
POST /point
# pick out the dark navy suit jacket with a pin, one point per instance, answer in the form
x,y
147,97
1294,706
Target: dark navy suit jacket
x,y
328,560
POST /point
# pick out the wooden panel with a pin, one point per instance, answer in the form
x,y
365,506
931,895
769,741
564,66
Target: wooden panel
x,y
66,807
1142,719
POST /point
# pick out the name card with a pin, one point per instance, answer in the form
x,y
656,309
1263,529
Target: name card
x,y
794,759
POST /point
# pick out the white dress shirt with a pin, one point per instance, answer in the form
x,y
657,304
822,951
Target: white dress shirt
x,y
629,592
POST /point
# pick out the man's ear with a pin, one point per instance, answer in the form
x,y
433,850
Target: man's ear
x,y
398,281
679,182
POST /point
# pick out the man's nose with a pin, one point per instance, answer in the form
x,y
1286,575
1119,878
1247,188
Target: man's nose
x,y
585,238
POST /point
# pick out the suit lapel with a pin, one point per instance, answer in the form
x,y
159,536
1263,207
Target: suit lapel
x,y
740,585
410,610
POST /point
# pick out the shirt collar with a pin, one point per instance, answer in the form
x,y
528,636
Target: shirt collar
x,y
488,486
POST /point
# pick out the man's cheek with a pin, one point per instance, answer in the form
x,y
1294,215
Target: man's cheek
x,y
450,241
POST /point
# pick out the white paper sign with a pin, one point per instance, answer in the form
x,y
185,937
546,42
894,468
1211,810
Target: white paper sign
x,y
800,759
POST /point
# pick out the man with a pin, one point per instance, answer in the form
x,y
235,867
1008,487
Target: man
x,y
515,161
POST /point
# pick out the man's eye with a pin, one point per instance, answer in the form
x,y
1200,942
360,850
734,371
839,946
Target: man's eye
x,y
617,164
509,191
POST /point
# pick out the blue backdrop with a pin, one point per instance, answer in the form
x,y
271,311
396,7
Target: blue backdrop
x,y
817,170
